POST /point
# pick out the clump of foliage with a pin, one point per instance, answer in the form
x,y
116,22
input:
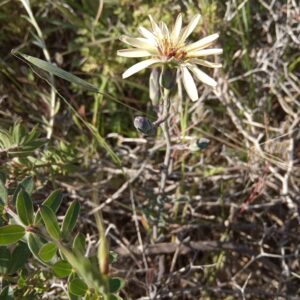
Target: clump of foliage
x,y
31,235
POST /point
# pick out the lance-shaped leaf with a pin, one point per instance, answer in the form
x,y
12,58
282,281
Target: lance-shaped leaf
x,y
53,201
52,69
10,234
24,208
62,269
70,218
50,221
78,287
47,251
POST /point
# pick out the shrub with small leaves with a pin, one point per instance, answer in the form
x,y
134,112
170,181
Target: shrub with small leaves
x,y
32,234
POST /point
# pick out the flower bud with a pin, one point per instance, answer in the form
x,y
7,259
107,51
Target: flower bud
x,y
154,88
200,144
168,78
144,126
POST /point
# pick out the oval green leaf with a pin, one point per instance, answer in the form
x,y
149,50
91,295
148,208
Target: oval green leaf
x,y
62,269
18,258
79,243
47,251
10,234
78,287
53,201
35,244
70,218
50,221
24,208
115,284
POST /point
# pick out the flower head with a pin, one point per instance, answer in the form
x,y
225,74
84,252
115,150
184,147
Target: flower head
x,y
163,46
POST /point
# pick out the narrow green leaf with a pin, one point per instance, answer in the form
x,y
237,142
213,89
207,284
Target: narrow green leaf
x,y
32,135
4,260
62,269
51,68
17,133
5,140
115,284
47,251
24,208
3,192
70,218
79,243
78,287
10,234
50,221
18,258
53,201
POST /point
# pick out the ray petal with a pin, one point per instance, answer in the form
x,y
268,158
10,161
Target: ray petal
x,y
148,35
155,28
135,52
202,76
189,28
164,30
189,84
203,43
140,66
205,52
177,28
141,43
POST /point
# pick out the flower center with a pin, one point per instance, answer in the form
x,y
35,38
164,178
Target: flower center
x,y
168,50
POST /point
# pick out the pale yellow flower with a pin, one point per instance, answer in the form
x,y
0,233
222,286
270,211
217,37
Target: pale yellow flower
x,y
171,47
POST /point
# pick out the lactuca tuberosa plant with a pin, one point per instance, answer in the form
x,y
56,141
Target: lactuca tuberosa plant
x,y
172,50
173,59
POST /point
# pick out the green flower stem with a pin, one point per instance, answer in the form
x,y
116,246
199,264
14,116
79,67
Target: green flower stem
x,y
165,129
